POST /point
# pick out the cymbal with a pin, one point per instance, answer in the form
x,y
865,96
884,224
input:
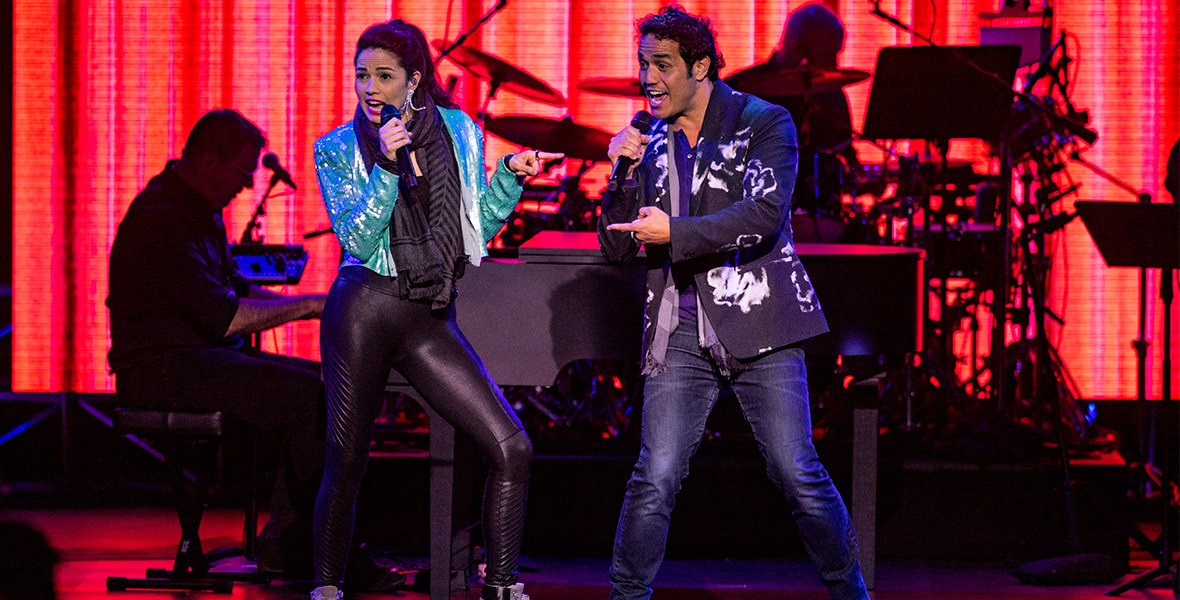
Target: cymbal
x,y
612,86
767,80
503,75
551,135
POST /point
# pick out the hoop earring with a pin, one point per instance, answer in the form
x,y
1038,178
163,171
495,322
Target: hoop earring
x,y
410,100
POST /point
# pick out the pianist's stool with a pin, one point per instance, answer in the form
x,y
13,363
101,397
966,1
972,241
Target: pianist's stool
x,y
188,441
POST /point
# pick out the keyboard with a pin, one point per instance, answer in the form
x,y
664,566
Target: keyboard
x,y
270,264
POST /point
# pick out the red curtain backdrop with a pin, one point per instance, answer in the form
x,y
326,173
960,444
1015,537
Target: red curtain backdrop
x,y
105,92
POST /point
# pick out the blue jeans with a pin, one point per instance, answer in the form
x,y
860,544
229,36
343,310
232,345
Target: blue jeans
x,y
773,398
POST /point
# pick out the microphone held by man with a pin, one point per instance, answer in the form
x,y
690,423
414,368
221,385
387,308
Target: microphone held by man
x,y
626,149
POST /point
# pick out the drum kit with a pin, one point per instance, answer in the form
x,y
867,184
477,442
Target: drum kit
x,y
828,178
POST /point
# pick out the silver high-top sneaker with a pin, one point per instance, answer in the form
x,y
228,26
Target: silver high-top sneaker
x,y
512,592
327,592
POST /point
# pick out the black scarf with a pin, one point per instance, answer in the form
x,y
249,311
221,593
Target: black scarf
x,y
425,233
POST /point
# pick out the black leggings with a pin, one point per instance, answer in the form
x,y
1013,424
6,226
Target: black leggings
x,y
366,330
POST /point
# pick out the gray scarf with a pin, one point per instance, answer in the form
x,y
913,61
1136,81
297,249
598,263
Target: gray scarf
x,y
669,315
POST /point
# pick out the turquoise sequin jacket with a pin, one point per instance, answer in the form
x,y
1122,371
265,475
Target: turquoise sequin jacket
x,y
360,203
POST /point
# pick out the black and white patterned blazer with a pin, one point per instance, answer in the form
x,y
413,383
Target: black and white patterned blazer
x,y
737,243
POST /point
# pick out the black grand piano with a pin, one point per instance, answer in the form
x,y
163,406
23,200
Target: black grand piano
x,y
560,301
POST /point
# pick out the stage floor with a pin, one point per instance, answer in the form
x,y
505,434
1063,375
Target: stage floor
x,y
97,543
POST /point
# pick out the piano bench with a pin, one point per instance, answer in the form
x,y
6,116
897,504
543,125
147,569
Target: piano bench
x,y
190,443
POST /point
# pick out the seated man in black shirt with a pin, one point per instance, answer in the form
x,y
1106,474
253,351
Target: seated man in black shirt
x,y
179,307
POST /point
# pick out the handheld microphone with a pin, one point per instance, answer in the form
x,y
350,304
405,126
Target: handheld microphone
x,y
642,122
271,161
404,164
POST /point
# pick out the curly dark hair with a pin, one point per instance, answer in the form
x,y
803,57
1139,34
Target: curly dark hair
x,y
694,34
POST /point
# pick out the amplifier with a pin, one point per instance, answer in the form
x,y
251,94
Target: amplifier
x,y
270,264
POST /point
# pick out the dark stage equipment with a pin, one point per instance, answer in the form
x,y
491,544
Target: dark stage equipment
x,y
1143,235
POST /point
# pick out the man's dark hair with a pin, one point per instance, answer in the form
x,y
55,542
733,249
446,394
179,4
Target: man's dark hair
x,y
696,38
223,132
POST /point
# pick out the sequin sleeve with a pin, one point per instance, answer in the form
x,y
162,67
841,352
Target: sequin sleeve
x,y
503,192
485,207
359,204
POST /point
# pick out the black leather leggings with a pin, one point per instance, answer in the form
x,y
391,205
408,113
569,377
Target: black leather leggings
x,y
366,330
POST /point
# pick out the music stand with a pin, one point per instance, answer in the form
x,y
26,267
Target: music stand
x,y
1134,234
1147,236
941,93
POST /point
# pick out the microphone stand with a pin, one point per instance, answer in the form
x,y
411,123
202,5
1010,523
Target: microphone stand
x,y
253,232
253,236
463,37
311,235
888,18
1142,196
494,84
